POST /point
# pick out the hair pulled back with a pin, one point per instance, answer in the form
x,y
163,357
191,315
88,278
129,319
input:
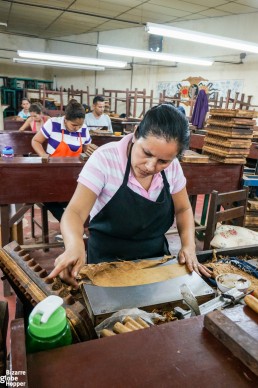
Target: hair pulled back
x,y
36,107
165,121
74,110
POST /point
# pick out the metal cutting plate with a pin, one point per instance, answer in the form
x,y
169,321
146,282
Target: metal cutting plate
x,y
107,300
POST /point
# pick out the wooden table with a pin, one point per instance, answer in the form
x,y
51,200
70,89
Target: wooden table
x,y
21,141
99,140
175,354
196,141
11,124
28,180
202,178
253,154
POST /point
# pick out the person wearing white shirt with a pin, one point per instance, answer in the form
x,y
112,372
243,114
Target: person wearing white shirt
x,y
97,118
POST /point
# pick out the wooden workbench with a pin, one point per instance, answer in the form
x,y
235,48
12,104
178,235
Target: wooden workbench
x,y
175,354
21,141
28,180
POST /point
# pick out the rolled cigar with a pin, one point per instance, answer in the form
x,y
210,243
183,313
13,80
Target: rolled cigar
x,y
119,328
130,326
255,293
106,333
252,302
132,321
142,322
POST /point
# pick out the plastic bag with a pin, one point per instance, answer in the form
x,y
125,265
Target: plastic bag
x,y
121,314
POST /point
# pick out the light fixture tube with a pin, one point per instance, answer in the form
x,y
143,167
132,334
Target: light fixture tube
x,y
57,64
200,37
70,59
152,55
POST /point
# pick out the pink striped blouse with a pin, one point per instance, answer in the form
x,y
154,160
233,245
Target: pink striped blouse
x,y
104,172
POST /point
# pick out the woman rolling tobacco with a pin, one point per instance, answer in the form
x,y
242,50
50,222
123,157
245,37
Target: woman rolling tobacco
x,y
132,190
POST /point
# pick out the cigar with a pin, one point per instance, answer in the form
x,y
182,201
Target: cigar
x,y
142,322
252,302
119,328
133,322
106,333
130,326
255,292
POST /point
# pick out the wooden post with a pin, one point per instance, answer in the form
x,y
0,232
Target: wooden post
x,y
135,102
227,99
151,98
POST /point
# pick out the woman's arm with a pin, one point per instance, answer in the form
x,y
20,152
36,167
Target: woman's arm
x,y
26,124
186,230
19,118
69,263
37,142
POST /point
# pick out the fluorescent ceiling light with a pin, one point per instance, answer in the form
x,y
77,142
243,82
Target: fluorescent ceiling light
x,y
57,64
152,55
70,59
200,37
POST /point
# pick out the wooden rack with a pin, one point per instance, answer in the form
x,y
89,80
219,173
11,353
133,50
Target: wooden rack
x,y
131,98
82,94
135,103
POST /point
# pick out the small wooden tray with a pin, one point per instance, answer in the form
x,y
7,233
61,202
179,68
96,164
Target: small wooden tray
x,y
227,142
193,157
238,133
225,151
245,124
233,113
226,160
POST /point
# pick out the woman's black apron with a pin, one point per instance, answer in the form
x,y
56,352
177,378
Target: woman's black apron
x,y
130,226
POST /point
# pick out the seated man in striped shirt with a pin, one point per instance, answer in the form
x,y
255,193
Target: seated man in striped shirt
x,y
67,136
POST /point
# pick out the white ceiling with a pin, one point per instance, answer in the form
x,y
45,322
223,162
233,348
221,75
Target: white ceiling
x,y
55,18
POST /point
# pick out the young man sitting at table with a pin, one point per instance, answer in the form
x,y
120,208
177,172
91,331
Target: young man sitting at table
x,y
97,118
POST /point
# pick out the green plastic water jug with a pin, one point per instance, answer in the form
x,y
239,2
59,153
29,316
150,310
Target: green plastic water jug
x,y
48,326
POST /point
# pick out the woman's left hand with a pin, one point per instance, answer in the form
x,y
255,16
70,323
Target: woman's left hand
x,y
187,256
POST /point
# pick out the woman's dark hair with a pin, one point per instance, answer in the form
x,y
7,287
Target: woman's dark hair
x,y
165,121
74,110
36,107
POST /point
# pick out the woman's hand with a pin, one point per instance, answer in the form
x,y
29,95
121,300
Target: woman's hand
x,y
68,264
187,256
73,258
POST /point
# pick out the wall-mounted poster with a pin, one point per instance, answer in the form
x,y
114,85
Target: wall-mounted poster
x,y
190,87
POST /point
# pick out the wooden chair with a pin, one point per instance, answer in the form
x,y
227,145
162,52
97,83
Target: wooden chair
x,y
44,223
234,208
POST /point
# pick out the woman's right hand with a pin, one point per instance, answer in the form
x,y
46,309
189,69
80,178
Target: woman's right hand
x,y
68,264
